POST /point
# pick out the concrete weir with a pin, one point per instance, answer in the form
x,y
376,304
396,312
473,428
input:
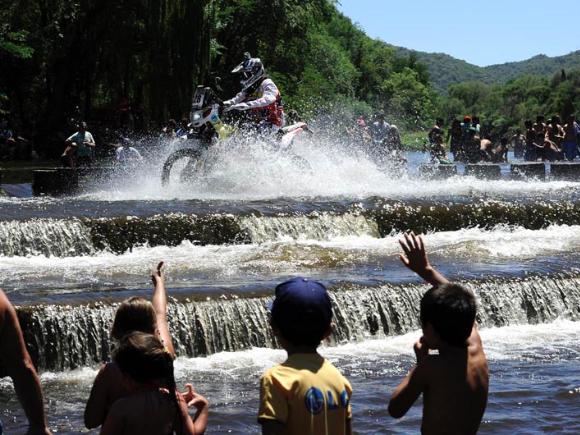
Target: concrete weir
x,y
527,170
63,181
488,171
438,171
55,182
565,171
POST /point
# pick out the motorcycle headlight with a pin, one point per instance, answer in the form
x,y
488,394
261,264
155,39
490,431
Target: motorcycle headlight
x,y
196,117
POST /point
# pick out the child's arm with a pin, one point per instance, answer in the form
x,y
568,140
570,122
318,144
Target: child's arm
x,y
106,389
273,409
159,301
192,399
97,405
415,258
412,386
114,424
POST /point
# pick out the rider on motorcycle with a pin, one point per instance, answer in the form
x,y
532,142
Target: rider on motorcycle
x,y
259,95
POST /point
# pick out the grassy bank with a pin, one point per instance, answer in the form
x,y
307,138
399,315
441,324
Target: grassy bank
x,y
414,140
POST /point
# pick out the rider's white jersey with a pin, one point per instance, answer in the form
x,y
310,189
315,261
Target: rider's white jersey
x,y
268,93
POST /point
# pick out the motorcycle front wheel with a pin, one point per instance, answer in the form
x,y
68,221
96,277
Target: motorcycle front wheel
x,y
180,166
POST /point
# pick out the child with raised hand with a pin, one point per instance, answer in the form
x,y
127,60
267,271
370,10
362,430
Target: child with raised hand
x,y
134,314
455,381
306,394
152,405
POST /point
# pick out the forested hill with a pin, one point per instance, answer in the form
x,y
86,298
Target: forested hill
x,y
446,70
131,65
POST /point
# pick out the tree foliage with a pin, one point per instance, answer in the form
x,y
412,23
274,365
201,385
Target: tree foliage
x,y
89,58
505,107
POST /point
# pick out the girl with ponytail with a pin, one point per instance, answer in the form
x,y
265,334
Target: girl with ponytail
x,y
153,405
135,314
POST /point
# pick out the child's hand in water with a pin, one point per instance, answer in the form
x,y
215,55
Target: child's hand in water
x,y
158,275
193,399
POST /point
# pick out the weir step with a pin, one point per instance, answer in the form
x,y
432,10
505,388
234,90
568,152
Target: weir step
x,y
55,181
488,171
437,171
63,181
565,171
535,170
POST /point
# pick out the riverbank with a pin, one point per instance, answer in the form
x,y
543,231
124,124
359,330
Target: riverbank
x,y
414,140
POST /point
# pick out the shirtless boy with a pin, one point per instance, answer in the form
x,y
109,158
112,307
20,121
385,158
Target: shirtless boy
x,y
455,381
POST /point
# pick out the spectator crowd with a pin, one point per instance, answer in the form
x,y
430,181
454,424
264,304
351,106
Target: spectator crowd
x,y
542,140
377,138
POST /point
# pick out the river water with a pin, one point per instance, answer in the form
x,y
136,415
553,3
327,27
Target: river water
x,y
255,220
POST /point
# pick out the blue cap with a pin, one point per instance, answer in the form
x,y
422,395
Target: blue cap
x,y
299,299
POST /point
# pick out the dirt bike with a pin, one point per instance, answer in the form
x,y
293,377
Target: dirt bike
x,y
207,128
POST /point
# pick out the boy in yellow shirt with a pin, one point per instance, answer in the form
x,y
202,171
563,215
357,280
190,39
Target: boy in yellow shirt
x,y
306,394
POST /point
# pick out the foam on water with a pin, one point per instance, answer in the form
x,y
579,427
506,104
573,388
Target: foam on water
x,y
551,341
286,255
254,170
393,356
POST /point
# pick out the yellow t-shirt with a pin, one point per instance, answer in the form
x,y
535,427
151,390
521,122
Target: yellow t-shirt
x,y
308,395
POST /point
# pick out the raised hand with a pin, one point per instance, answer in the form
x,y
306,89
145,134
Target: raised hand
x,y
158,275
415,258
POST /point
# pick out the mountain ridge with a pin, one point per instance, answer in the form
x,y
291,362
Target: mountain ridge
x,y
445,69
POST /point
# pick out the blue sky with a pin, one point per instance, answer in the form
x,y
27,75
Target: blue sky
x,y
482,33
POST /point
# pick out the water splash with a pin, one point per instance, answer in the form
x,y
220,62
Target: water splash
x,y
254,169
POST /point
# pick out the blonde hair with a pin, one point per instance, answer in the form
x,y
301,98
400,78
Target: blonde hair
x,y
134,314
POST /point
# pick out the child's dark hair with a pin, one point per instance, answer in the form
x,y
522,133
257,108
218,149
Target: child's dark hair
x,y
301,329
134,314
450,309
143,358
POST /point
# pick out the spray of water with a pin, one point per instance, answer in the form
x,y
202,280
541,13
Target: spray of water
x,y
251,169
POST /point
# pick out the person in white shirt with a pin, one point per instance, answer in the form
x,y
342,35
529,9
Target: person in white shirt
x,y
126,154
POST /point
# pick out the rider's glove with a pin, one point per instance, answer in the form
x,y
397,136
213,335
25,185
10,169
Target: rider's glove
x,y
240,106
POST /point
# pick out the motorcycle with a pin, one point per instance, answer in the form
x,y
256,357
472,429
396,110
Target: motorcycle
x,y
207,129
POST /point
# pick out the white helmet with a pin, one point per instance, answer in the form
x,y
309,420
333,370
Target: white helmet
x,y
252,70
